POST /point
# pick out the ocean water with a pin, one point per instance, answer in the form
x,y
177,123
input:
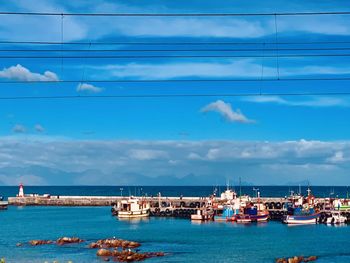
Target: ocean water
x,y
181,239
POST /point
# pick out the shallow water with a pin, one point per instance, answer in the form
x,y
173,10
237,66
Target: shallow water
x,y
183,240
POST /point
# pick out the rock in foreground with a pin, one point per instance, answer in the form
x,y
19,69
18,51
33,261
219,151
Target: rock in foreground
x,y
114,243
127,255
68,240
40,242
296,259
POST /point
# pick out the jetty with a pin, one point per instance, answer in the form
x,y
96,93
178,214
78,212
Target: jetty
x,y
164,206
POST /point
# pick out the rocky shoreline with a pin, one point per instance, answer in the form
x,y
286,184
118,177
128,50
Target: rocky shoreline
x,y
118,250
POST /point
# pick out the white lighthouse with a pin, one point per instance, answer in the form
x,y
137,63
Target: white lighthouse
x,y
21,191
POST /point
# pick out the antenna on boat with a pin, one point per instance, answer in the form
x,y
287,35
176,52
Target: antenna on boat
x,y
308,190
240,187
256,190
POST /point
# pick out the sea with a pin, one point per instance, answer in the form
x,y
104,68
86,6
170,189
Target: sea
x,y
181,239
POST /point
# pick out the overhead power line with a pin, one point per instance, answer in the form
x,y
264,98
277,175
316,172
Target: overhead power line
x,y
173,95
176,14
179,50
171,80
173,56
8,42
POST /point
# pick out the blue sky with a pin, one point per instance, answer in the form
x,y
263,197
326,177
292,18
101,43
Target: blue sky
x,y
138,137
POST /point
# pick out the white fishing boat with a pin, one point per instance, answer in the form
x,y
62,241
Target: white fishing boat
x,y
203,215
3,204
132,208
336,219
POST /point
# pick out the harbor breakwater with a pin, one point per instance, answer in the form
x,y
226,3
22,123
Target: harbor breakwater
x,y
161,206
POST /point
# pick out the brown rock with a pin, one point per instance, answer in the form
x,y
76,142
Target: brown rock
x,y
68,240
104,252
39,242
311,258
93,245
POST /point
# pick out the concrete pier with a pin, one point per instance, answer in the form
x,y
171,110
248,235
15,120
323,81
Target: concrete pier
x,y
160,206
272,203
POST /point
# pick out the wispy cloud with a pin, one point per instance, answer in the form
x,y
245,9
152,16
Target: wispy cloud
x,y
225,109
88,88
238,68
48,28
19,128
19,72
310,101
39,128
147,154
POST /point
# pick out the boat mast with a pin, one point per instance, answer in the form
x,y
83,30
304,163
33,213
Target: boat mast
x,y
240,187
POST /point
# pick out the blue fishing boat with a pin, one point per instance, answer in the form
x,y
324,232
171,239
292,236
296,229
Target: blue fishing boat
x,y
228,214
302,212
252,214
301,216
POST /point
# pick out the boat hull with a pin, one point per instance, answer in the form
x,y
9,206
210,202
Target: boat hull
x,y
225,219
301,219
252,218
3,205
132,214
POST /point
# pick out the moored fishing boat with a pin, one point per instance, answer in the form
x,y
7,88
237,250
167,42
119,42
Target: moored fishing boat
x,y
132,208
228,213
203,215
302,218
230,210
3,204
251,214
302,214
336,218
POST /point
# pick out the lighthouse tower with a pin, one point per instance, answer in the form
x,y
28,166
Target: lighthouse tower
x,y
20,192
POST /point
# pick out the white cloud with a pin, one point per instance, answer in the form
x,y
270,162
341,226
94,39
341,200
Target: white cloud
x,y
338,157
145,154
310,101
88,88
192,27
18,128
258,162
327,25
41,28
226,111
229,68
19,72
49,27
39,128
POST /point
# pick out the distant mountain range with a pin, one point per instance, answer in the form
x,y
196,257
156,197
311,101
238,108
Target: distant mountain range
x,y
40,175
